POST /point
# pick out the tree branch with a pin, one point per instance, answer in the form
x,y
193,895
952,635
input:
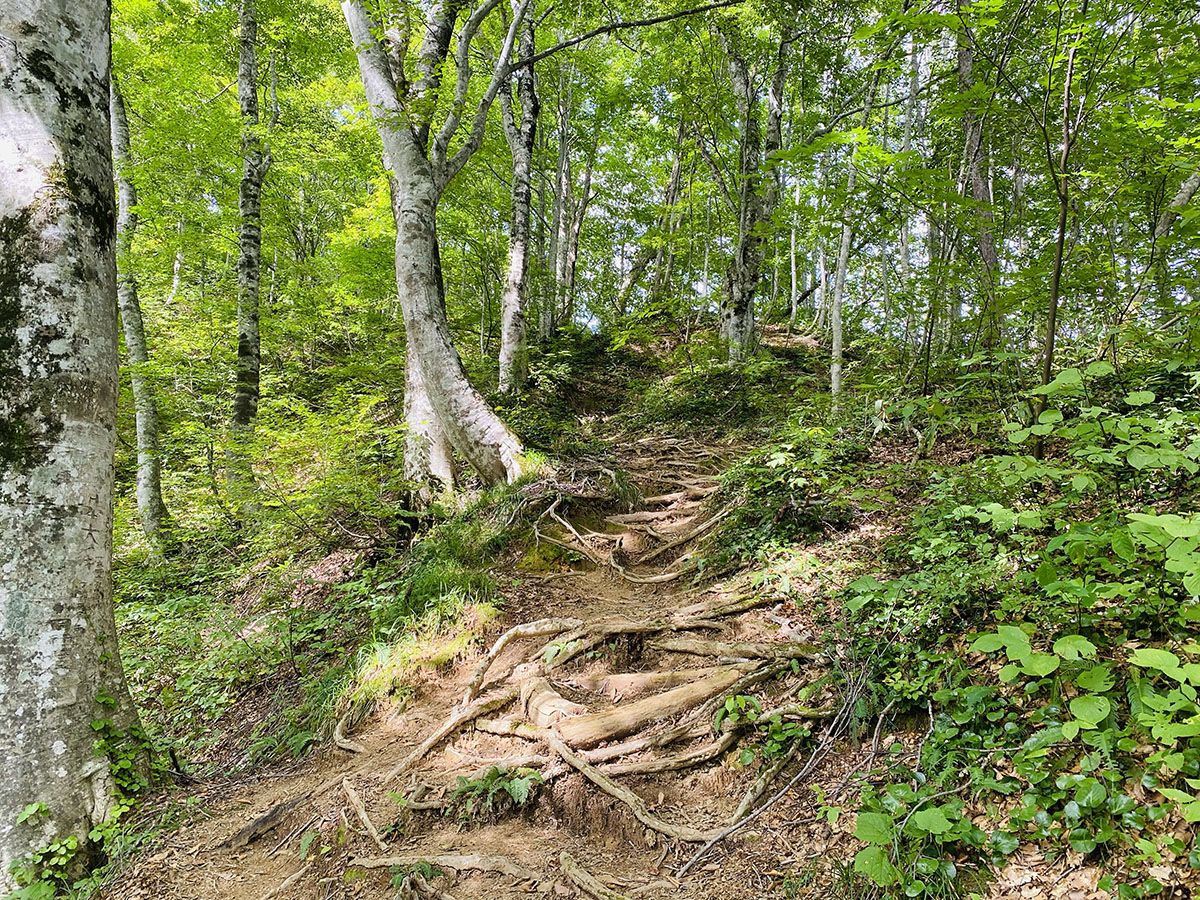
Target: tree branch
x,y
463,62
620,26
446,170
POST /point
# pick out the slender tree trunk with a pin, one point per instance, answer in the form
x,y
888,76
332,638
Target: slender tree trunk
x,y
60,671
1062,187
249,269
151,508
465,419
547,320
794,292
758,191
176,267
843,260
514,368
975,179
578,216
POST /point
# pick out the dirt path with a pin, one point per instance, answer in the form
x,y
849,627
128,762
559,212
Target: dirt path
x,y
633,654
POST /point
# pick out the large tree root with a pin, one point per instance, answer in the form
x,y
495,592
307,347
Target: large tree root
x,y
540,628
629,684
583,880
596,728
635,803
480,707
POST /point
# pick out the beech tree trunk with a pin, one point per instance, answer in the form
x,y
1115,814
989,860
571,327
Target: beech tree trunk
x,y
464,418
151,508
757,194
59,667
548,310
521,136
249,268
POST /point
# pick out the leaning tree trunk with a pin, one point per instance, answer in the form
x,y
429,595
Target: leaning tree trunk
x,y
514,368
471,426
249,268
60,673
151,508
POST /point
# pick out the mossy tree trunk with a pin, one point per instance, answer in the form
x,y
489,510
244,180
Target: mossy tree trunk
x,y
59,667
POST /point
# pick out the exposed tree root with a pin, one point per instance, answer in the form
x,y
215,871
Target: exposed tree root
x,y
763,781
736,649
256,828
635,803
459,718
634,578
688,493
288,882
510,728
689,729
543,706
629,684
684,538
675,763
343,742
596,728
643,516
540,628
583,880
361,811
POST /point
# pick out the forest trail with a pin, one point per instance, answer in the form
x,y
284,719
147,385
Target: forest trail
x,y
613,698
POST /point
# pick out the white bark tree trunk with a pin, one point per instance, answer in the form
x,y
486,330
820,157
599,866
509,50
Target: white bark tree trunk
x,y
465,419
151,508
521,136
59,667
